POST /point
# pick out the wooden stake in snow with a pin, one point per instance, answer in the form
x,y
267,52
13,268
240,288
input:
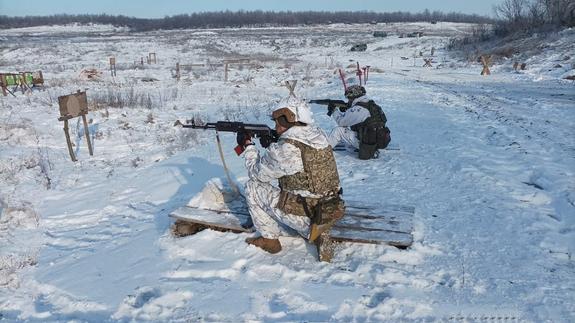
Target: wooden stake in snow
x,y
38,79
72,106
358,73
366,72
152,58
291,87
113,66
486,61
342,80
4,82
226,67
24,85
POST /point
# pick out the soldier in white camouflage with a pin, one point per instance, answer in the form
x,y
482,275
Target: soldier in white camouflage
x,y
294,186
362,125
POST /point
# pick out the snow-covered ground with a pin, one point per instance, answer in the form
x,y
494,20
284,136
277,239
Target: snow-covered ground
x,y
488,163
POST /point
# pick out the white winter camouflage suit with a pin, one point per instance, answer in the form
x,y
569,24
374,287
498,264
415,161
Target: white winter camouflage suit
x,y
352,116
262,193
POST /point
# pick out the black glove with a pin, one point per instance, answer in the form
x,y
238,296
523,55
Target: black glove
x,y
266,141
244,138
330,109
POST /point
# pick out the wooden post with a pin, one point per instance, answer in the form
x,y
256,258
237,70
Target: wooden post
x,y
38,79
3,84
432,51
358,72
152,58
24,83
342,79
178,71
19,78
367,73
141,60
113,66
226,71
68,141
485,60
87,134
515,65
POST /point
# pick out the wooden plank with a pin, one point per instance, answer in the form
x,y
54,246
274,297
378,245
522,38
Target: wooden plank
x,y
374,237
233,220
222,219
357,207
377,224
344,148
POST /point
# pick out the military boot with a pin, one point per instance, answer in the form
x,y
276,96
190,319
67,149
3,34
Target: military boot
x,y
270,245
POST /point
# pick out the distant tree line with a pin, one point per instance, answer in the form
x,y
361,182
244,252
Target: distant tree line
x,y
258,18
529,15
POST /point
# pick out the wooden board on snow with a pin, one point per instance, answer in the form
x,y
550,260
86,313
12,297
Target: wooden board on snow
x,y
224,219
344,148
382,224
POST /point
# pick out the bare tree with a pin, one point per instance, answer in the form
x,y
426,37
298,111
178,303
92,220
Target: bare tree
x,y
526,15
512,11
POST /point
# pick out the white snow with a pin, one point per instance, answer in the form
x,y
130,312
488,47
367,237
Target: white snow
x,y
488,163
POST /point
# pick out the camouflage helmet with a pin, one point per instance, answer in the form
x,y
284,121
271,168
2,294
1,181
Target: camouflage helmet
x,y
354,91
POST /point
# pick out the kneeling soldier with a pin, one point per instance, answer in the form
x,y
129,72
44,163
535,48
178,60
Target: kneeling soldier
x,y
361,125
308,198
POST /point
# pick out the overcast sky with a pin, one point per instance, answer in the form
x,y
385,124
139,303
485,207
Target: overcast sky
x,y
161,8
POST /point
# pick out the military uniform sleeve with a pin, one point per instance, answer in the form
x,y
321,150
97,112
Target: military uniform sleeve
x,y
280,159
351,116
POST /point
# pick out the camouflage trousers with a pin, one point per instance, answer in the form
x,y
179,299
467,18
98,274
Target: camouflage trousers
x,y
345,135
270,221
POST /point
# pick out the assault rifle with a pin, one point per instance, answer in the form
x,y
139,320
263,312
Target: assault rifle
x,y
265,134
332,104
